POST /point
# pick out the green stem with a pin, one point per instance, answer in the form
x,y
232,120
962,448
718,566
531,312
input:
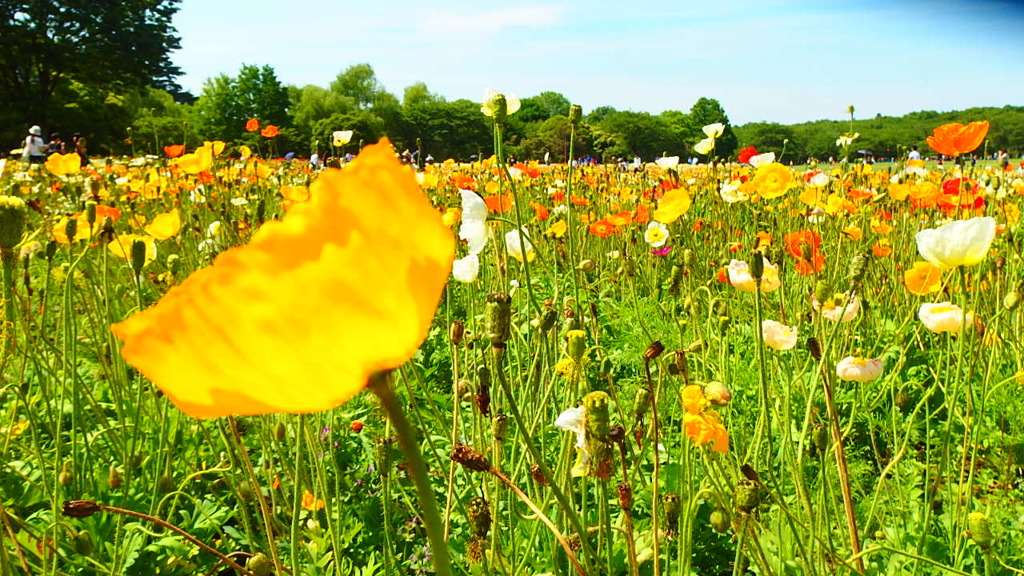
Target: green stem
x,y
432,521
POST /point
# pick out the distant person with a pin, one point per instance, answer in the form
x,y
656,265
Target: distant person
x,y
35,148
914,154
1003,158
78,143
55,145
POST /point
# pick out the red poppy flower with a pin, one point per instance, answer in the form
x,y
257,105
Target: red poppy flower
x,y
252,125
746,154
960,193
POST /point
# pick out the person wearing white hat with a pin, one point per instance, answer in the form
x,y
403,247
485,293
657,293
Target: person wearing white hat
x,y
35,148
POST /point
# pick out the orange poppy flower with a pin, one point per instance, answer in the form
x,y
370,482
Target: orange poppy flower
x,y
703,425
498,204
269,131
540,211
252,125
174,150
602,228
955,138
579,200
344,286
311,502
642,215
923,278
624,218
804,247
105,211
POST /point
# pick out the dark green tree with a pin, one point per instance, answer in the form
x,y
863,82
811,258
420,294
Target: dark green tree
x,y
708,111
226,103
103,45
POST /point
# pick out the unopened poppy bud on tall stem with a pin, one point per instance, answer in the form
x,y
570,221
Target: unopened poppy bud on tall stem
x,y
575,115
498,318
12,226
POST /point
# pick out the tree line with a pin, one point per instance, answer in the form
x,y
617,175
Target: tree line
x,y
102,68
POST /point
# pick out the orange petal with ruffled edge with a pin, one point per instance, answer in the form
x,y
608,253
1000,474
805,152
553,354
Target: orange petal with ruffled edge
x,y
954,139
297,320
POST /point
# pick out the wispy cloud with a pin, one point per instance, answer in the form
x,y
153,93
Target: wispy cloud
x,y
492,21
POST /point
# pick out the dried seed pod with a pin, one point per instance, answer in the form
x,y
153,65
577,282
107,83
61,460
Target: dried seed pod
x,y
479,512
470,458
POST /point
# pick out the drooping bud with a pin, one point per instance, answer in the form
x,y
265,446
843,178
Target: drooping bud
x,y
498,318
79,508
260,565
83,543
587,265
641,402
1013,298
470,458
67,474
717,393
114,479
720,520
654,349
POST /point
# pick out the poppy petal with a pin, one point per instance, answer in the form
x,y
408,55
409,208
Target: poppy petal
x,y
297,320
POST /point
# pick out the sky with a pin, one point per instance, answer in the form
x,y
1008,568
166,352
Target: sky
x,y
780,61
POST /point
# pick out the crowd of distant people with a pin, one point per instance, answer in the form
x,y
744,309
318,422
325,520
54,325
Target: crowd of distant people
x,y
36,150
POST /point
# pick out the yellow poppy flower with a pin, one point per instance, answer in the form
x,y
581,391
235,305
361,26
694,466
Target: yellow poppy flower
x,y
63,164
164,226
672,205
122,246
344,286
198,161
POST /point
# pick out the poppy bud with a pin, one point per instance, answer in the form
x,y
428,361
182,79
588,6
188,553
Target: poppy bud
x,y
538,475
858,268
641,402
71,229
12,222
83,543
695,346
470,458
280,431
499,426
575,114
500,107
456,331
597,424
260,565
587,265
980,530
717,393
138,255
757,266
114,479
820,437
625,492
688,257
720,520
79,508
576,344
671,501
748,496
1012,299
815,348
654,349
67,474
498,318
382,454
821,292
547,322
165,484
479,516
90,213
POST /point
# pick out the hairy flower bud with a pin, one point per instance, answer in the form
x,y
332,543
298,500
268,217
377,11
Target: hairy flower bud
x,y
597,423
576,344
499,426
138,256
12,222
858,267
720,520
498,318
260,564
641,402
748,496
980,530
672,507
575,114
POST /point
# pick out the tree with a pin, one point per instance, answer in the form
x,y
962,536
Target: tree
x,y
227,103
708,111
359,83
111,45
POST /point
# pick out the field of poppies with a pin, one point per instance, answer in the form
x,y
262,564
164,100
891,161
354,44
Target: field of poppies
x,y
225,363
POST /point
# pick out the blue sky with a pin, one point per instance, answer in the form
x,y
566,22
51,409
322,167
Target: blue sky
x,y
770,60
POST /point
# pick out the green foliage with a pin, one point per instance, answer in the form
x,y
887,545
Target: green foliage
x,y
227,103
